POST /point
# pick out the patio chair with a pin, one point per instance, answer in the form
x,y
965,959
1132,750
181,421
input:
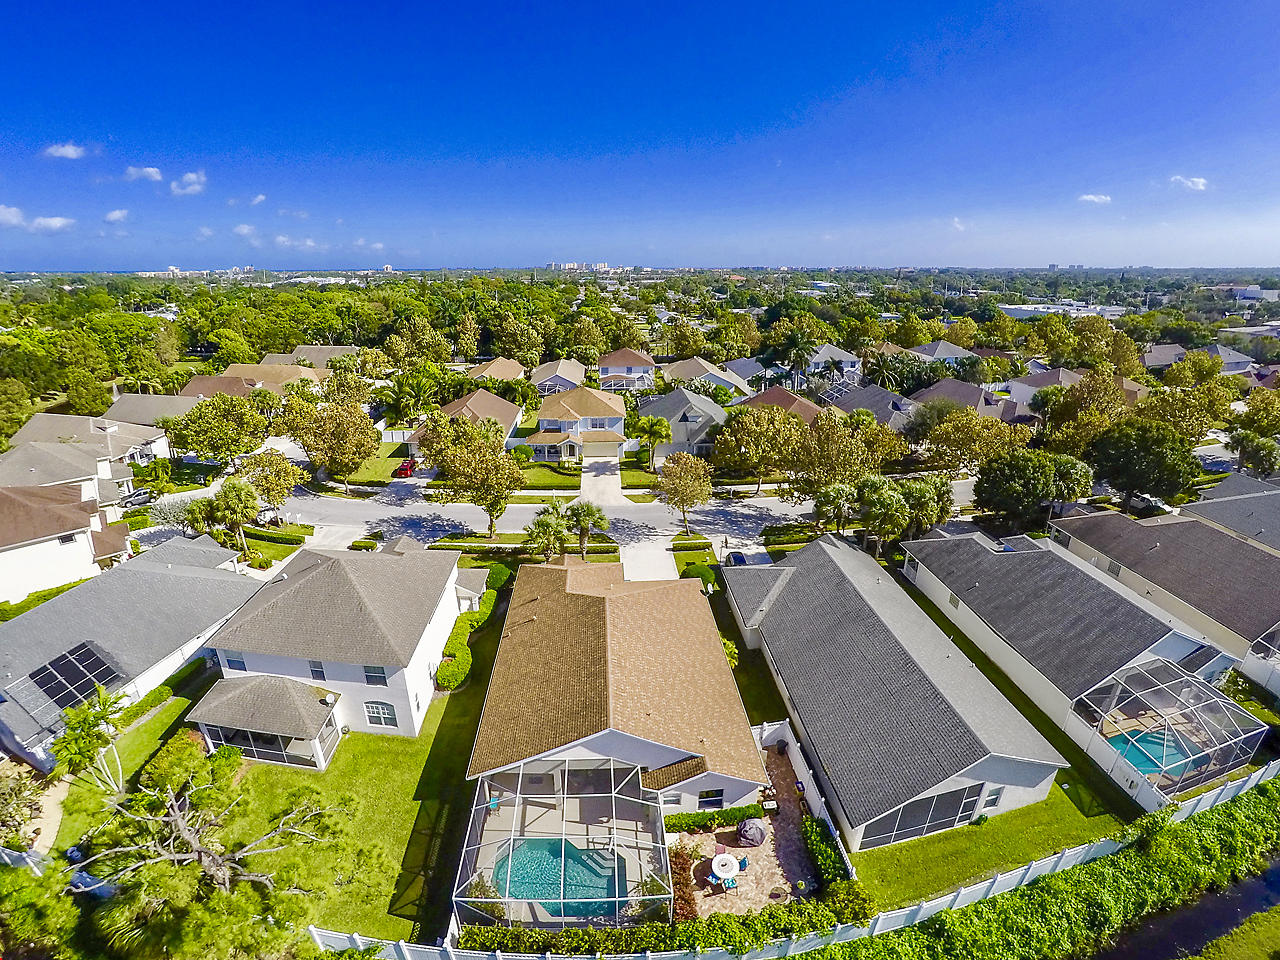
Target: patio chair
x,y
742,865
720,848
731,884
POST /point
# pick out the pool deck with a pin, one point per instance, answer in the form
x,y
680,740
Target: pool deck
x,y
774,868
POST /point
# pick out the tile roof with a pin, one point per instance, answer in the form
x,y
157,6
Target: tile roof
x,y
350,607
147,408
584,650
891,706
264,704
38,513
1252,515
499,368
581,402
568,369
779,396
1225,578
480,405
1061,617
626,357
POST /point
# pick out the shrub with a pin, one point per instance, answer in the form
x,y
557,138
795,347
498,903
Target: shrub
x,y
823,850
223,765
184,673
684,901
453,671
499,576
702,572
363,545
139,521
849,901
275,536
135,710
711,819
180,759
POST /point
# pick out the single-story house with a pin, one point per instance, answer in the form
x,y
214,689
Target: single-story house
x,y
555,376
699,368
909,736
83,466
944,350
626,369
610,704
317,354
499,368
481,405
780,396
118,442
202,387
746,368
692,416
971,395
889,408
144,409
1160,356
1132,390
275,376
582,422
1034,364
1130,683
1224,587
49,536
1244,507
1023,389
126,630
351,641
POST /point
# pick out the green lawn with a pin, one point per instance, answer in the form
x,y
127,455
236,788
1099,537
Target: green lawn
x,y
377,469
528,426
272,551
10,610
685,557
1258,938
1117,802
552,476
640,497
635,470
905,873
755,683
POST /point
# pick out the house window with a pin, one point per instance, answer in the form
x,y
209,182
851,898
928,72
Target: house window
x,y
920,817
993,798
599,423
375,676
380,714
1113,568
235,661
912,563
953,600
671,799
67,538
710,799
317,669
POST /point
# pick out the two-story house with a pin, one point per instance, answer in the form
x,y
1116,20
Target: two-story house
x,y
626,369
77,465
577,423
339,641
556,376
49,536
118,442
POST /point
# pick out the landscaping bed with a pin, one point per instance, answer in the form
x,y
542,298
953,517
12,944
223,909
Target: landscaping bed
x,y
755,683
10,610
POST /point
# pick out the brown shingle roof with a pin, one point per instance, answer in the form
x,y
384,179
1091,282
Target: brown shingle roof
x,y
567,368
584,650
806,410
499,368
203,386
37,513
582,402
265,704
626,357
275,376
480,405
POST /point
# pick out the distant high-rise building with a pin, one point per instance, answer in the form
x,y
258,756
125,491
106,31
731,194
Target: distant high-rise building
x,y
386,268
1053,266
552,265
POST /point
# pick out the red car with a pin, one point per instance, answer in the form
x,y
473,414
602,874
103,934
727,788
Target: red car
x,y
405,469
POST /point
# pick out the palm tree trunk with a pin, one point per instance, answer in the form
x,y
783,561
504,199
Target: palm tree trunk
x,y
583,534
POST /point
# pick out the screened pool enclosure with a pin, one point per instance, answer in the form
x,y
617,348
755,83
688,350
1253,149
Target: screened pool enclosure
x,y
1174,728
564,843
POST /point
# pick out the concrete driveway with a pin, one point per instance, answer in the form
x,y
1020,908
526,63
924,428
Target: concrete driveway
x,y
648,560
602,482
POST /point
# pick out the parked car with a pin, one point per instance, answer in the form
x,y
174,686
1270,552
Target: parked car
x,y
735,559
405,469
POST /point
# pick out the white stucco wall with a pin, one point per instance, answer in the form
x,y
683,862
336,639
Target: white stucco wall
x,y
44,564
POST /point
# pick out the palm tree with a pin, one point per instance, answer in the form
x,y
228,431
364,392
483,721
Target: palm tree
x,y
653,431
547,536
794,352
582,517
866,491
234,506
200,515
882,369
406,397
89,731
835,502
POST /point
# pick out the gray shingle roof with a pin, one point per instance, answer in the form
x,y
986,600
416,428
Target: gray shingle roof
x,y
1252,515
690,414
344,606
972,395
891,706
36,464
146,408
745,367
135,614
941,350
265,704
113,439
1069,625
887,407
1236,584
1237,485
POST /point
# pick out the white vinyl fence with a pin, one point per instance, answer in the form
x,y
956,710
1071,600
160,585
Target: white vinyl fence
x,y
881,923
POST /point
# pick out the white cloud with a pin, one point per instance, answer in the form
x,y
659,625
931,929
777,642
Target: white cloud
x,y
117,216
189,184
51,224
11,217
1094,198
283,212
143,173
955,222
257,200
68,151
1191,183
248,232
232,201
376,246
302,243
205,233
360,241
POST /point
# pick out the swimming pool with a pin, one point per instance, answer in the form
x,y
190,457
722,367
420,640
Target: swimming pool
x,y
1163,745
591,877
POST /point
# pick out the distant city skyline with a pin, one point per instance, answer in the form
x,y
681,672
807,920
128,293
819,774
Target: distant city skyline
x,y
483,136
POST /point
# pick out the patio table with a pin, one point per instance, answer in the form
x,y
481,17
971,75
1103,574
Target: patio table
x,y
724,866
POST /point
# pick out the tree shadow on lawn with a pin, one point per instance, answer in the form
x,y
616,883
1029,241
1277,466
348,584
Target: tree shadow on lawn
x,y
424,889
425,527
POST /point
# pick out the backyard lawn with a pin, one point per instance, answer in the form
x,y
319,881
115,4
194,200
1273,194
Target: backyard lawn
x,y
755,683
1255,939
10,610
906,873
377,469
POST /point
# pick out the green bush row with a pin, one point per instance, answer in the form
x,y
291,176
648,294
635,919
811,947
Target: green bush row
x,y
139,521
452,672
823,850
711,819
152,700
363,545
136,512
182,757
274,536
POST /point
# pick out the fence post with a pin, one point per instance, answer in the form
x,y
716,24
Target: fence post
x,y
448,948
402,950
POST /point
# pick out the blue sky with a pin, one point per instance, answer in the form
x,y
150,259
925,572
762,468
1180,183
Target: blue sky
x,y
1013,133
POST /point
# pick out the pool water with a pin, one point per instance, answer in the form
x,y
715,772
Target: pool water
x,y
591,877
1168,746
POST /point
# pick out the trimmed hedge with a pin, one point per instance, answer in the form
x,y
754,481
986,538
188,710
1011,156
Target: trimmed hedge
x,y
152,700
275,536
711,819
823,850
454,671
363,545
